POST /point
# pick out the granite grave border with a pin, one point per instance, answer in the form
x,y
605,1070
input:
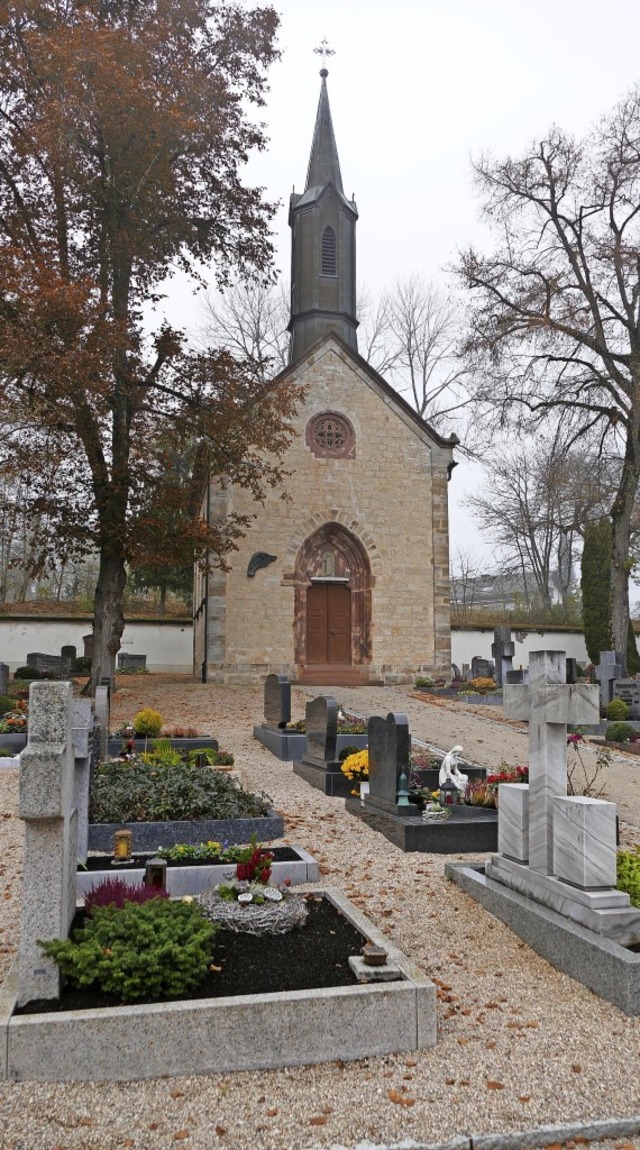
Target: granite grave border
x,y
213,1036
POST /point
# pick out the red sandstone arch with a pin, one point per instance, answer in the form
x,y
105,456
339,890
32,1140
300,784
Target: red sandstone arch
x,y
351,566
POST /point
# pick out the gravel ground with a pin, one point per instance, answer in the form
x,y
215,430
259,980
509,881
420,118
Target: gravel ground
x,y
519,1045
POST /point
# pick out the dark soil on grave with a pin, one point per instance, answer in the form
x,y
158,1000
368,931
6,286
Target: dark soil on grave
x,y
308,958
104,861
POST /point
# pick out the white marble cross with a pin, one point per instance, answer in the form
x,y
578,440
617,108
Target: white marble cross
x,y
549,703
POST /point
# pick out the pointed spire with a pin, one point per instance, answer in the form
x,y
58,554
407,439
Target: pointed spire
x,y
324,165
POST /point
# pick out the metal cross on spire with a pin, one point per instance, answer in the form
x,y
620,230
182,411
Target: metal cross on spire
x,y
324,50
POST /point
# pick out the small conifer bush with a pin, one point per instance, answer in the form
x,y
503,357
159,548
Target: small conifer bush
x,y
619,732
617,710
155,951
148,723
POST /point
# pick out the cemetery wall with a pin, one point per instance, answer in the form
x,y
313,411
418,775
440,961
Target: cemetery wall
x,y
167,644
467,642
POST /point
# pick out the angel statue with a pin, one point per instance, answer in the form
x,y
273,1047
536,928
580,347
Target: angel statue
x,y
449,770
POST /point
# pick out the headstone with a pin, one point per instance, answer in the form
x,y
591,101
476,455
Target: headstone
x,y
608,669
102,713
629,691
82,738
88,646
513,677
548,704
277,701
503,650
67,659
455,671
129,662
4,678
481,668
321,716
389,751
46,805
45,664
572,671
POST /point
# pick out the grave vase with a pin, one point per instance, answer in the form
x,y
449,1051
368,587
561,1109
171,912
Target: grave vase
x,y
364,790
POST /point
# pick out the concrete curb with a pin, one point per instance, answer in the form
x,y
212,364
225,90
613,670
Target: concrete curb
x,y
518,1140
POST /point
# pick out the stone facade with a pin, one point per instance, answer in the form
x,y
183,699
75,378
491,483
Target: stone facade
x,y
381,514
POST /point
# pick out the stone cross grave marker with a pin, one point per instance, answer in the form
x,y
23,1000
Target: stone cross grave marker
x,y
321,716
609,668
503,650
389,750
549,704
277,701
4,678
46,805
102,710
572,670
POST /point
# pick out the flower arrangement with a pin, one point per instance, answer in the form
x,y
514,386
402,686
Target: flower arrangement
x,y
356,767
484,792
15,722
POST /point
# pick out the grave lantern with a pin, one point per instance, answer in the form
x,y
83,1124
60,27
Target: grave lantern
x,y
449,793
155,873
122,847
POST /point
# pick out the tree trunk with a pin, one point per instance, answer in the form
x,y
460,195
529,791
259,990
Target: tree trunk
x,y
621,529
108,620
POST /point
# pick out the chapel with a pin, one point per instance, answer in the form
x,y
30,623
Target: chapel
x,y
347,581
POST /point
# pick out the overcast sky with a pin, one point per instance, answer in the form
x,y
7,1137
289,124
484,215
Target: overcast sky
x,y
417,88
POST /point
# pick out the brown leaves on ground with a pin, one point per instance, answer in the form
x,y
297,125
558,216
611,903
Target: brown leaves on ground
x,y
400,1099
491,1084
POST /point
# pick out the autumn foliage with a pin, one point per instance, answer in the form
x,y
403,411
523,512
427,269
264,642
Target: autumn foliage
x,y
123,131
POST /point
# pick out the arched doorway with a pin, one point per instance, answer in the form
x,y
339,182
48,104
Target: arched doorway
x,y
332,622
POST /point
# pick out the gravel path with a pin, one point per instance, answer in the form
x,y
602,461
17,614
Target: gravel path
x,y
519,1045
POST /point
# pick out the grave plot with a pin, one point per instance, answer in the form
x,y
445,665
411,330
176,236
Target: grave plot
x,y
387,807
554,878
277,734
195,1034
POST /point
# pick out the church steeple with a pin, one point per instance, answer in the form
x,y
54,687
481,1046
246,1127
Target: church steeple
x,y
324,164
323,246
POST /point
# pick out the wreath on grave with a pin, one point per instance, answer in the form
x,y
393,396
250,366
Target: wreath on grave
x,y
253,908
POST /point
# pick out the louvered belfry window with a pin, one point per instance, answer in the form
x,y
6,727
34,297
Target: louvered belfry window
x,y
329,252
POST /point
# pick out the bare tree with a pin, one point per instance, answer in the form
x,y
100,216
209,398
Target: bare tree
x,y
539,497
556,306
249,320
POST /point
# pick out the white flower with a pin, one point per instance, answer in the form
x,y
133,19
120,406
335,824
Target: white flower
x,y
187,898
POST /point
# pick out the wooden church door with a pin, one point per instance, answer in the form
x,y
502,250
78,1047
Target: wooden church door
x,y
328,623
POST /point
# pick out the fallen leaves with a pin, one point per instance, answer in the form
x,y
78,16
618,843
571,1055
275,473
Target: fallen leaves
x,y
491,1084
400,1099
318,1120
180,1135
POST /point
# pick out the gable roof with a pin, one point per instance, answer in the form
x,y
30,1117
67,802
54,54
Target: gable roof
x,y
405,408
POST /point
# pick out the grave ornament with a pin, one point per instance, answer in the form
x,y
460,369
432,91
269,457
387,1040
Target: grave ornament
x,y
609,669
389,751
449,771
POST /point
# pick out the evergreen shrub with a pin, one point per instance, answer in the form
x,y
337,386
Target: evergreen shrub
x,y
27,673
619,732
148,723
154,951
618,710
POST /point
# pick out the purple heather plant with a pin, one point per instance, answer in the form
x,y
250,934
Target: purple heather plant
x,y
115,892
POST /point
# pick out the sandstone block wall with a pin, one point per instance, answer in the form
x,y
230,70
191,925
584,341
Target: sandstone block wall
x,y
392,497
